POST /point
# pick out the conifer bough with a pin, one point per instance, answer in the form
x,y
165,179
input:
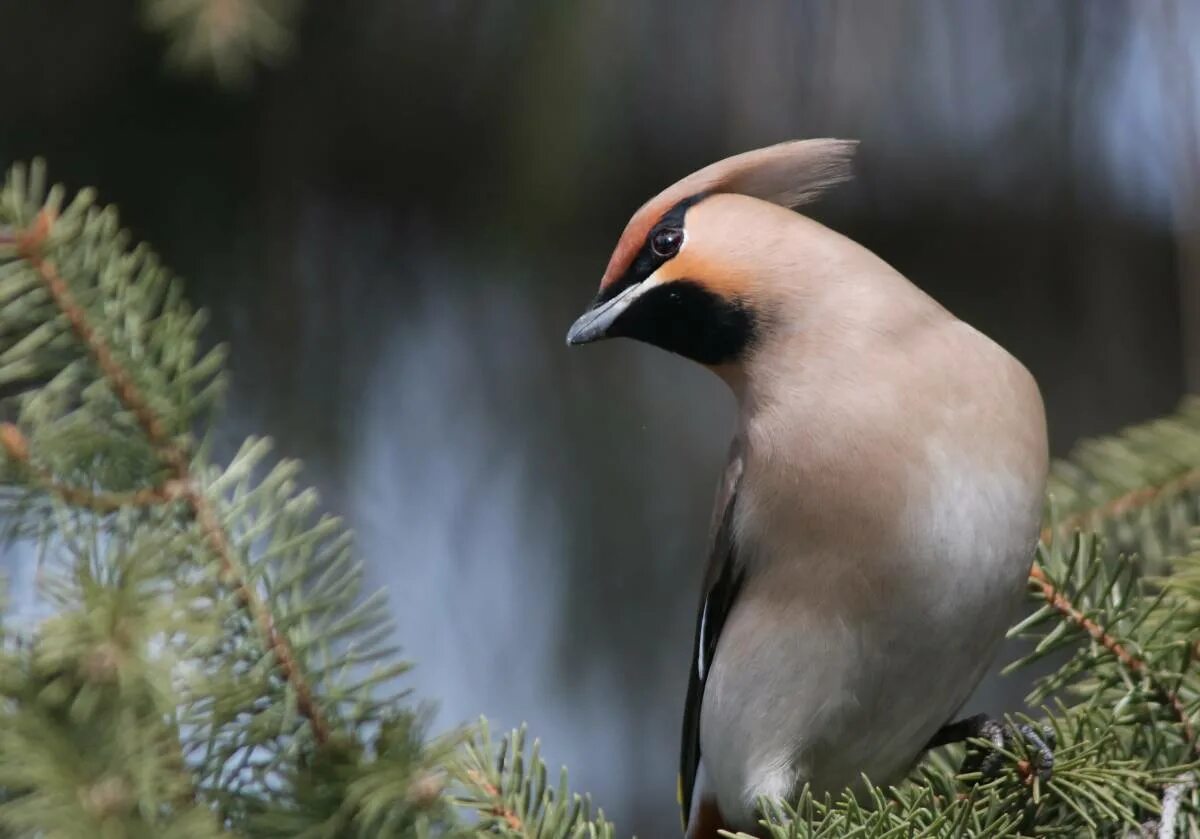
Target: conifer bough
x,y
210,666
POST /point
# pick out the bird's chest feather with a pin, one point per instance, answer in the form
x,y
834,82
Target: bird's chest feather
x,y
863,623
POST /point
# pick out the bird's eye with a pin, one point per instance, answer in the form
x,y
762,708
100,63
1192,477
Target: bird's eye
x,y
666,242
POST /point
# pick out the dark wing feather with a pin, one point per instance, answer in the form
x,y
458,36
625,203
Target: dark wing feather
x,y
720,590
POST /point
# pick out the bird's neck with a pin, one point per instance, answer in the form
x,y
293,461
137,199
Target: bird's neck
x,y
821,302
835,337
826,404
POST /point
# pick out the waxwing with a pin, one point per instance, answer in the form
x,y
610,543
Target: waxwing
x,y
875,524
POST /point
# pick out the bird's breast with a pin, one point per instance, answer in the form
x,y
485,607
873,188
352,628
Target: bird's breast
x,y
856,636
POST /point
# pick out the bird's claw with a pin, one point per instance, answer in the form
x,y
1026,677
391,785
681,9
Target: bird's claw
x,y
1039,745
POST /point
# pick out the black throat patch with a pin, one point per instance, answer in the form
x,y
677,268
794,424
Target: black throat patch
x,y
684,317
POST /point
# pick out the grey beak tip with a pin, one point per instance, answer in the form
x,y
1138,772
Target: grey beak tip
x,y
596,323
583,331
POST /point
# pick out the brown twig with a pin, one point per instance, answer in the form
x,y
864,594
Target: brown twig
x,y
1129,502
1119,506
30,244
1059,601
1131,661
13,442
107,502
497,809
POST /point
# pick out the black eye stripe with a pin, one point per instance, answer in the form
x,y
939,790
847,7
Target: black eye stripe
x,y
647,261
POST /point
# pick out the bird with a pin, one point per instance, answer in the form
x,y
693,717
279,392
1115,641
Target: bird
x,y
877,518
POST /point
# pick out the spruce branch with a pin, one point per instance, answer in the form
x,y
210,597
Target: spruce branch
x,y
508,787
1132,662
278,696
30,245
1132,501
89,731
1140,488
1136,659
98,501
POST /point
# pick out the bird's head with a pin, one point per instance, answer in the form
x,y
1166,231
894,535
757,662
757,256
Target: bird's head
x,y
692,271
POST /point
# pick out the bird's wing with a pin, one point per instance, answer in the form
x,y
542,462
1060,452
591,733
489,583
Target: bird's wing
x,y
721,583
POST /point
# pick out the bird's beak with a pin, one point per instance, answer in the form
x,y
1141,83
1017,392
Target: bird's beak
x,y
595,323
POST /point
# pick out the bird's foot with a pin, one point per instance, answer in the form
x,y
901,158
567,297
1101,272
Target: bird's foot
x,y
1038,746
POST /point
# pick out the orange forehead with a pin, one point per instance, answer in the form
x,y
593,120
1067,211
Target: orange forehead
x,y
627,248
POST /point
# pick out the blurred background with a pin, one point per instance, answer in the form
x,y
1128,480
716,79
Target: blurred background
x,y
394,210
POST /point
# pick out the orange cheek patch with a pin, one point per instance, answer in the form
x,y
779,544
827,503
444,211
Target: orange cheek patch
x,y
711,274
